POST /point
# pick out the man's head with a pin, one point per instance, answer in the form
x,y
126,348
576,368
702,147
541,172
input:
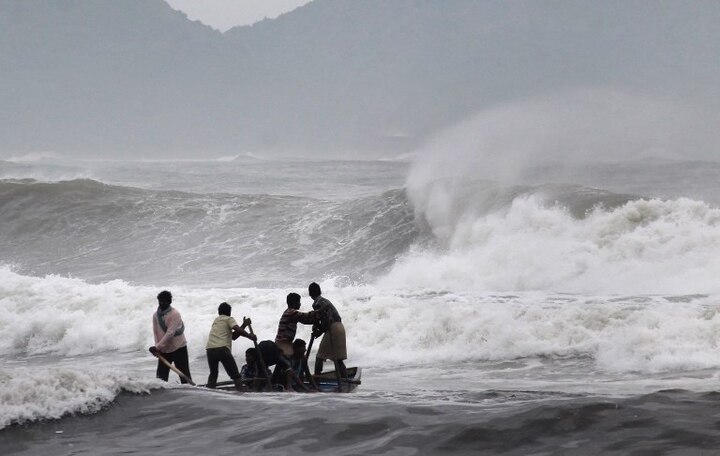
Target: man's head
x,y
293,301
299,348
250,356
224,309
164,299
314,290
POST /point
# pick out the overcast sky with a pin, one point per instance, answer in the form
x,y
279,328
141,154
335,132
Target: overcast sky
x,y
225,14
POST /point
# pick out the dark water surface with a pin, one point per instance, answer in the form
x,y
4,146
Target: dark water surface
x,y
672,422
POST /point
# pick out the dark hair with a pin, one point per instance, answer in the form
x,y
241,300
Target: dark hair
x,y
224,309
164,297
251,351
293,300
314,290
298,344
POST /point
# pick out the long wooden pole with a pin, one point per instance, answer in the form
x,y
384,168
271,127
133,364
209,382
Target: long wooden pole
x,y
307,353
262,361
173,368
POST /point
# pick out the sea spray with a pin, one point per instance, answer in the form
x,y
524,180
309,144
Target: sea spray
x,y
536,243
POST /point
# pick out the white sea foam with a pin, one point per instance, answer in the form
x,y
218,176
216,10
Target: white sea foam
x,y
58,316
622,334
31,394
76,331
55,315
643,246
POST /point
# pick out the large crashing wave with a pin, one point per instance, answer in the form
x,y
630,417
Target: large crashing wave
x,y
88,229
451,234
560,239
636,215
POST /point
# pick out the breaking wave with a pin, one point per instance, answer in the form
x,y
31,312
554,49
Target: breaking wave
x,y
447,234
88,229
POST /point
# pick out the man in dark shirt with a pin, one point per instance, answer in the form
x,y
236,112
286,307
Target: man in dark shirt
x,y
329,324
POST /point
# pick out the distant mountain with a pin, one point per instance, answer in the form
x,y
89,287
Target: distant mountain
x,y
135,77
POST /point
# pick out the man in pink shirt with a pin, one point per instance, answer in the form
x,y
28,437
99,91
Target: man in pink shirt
x,y
168,329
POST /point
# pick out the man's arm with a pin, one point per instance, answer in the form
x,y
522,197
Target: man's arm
x,y
157,334
290,375
307,318
237,331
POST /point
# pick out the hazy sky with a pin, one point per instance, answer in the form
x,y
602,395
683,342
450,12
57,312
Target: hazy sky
x,y
225,14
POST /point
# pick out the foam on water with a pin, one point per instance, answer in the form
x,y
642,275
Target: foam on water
x,y
31,394
641,246
59,316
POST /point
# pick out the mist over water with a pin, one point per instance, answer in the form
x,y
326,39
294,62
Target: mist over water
x,y
566,130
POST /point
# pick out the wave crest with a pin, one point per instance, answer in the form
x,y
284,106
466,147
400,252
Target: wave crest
x,y
642,246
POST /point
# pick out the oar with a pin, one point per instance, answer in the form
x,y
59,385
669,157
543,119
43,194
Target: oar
x,y
262,361
307,353
173,368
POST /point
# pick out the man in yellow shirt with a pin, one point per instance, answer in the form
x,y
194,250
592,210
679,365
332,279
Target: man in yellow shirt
x,y
219,346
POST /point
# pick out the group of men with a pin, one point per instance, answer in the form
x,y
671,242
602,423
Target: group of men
x,y
286,353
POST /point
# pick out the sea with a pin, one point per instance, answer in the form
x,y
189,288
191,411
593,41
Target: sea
x,y
562,309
